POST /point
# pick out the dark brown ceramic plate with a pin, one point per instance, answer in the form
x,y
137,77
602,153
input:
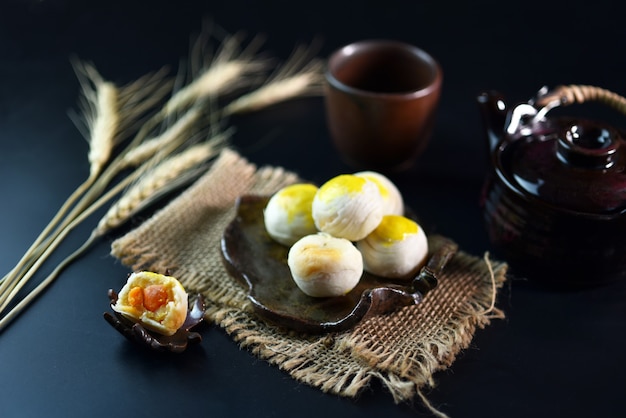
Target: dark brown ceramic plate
x,y
260,263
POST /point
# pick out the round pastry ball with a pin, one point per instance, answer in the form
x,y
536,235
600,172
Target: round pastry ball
x,y
396,249
324,266
288,213
348,206
392,198
159,302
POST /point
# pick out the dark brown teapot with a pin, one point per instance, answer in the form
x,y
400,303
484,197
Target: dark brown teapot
x,y
555,200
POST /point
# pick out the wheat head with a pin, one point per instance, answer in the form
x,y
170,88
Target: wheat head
x,y
101,112
216,80
230,68
110,112
274,92
300,75
170,139
103,127
158,180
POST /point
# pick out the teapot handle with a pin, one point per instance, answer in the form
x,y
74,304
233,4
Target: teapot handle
x,y
567,95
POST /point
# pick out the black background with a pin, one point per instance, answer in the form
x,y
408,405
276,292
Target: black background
x,y
557,353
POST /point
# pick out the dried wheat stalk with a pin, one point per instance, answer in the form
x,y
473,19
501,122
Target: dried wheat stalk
x,y
103,127
157,165
173,137
163,178
299,76
225,72
157,181
108,112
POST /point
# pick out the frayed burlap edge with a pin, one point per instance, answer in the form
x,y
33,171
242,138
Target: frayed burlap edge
x,y
397,349
405,377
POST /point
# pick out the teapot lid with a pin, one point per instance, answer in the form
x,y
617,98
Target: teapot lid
x,y
571,164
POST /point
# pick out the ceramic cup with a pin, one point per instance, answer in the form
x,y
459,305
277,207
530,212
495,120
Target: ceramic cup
x,y
381,97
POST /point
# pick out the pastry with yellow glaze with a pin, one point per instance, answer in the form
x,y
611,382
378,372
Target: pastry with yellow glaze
x,y
393,203
324,266
348,206
157,301
288,215
396,249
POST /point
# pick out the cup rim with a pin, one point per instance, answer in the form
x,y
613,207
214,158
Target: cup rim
x,y
409,94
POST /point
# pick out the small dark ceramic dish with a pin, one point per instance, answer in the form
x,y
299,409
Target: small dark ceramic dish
x,y
260,263
176,343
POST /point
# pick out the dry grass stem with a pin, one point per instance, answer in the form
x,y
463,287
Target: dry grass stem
x,y
28,258
164,177
157,181
299,76
214,81
16,285
171,138
108,112
141,97
22,304
226,71
158,121
305,83
53,242
133,156
101,111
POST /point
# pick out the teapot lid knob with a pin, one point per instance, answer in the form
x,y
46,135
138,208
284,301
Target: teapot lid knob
x,y
576,165
588,146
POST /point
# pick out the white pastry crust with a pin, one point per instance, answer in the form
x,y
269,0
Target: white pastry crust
x,y
396,249
288,213
348,207
393,203
168,317
324,266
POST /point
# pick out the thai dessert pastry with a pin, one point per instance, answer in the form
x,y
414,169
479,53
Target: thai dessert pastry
x,y
288,214
323,265
157,301
396,249
393,203
351,224
348,206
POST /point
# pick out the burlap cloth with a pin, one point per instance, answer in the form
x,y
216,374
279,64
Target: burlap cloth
x,y
402,349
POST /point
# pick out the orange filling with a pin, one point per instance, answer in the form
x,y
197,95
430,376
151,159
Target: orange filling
x,y
135,297
152,297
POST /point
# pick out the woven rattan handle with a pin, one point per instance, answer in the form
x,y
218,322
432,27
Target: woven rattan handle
x,y
567,95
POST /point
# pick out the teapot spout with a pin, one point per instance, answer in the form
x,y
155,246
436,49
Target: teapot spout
x,y
494,112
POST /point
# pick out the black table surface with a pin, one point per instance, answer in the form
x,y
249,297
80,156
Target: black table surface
x,y
556,354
